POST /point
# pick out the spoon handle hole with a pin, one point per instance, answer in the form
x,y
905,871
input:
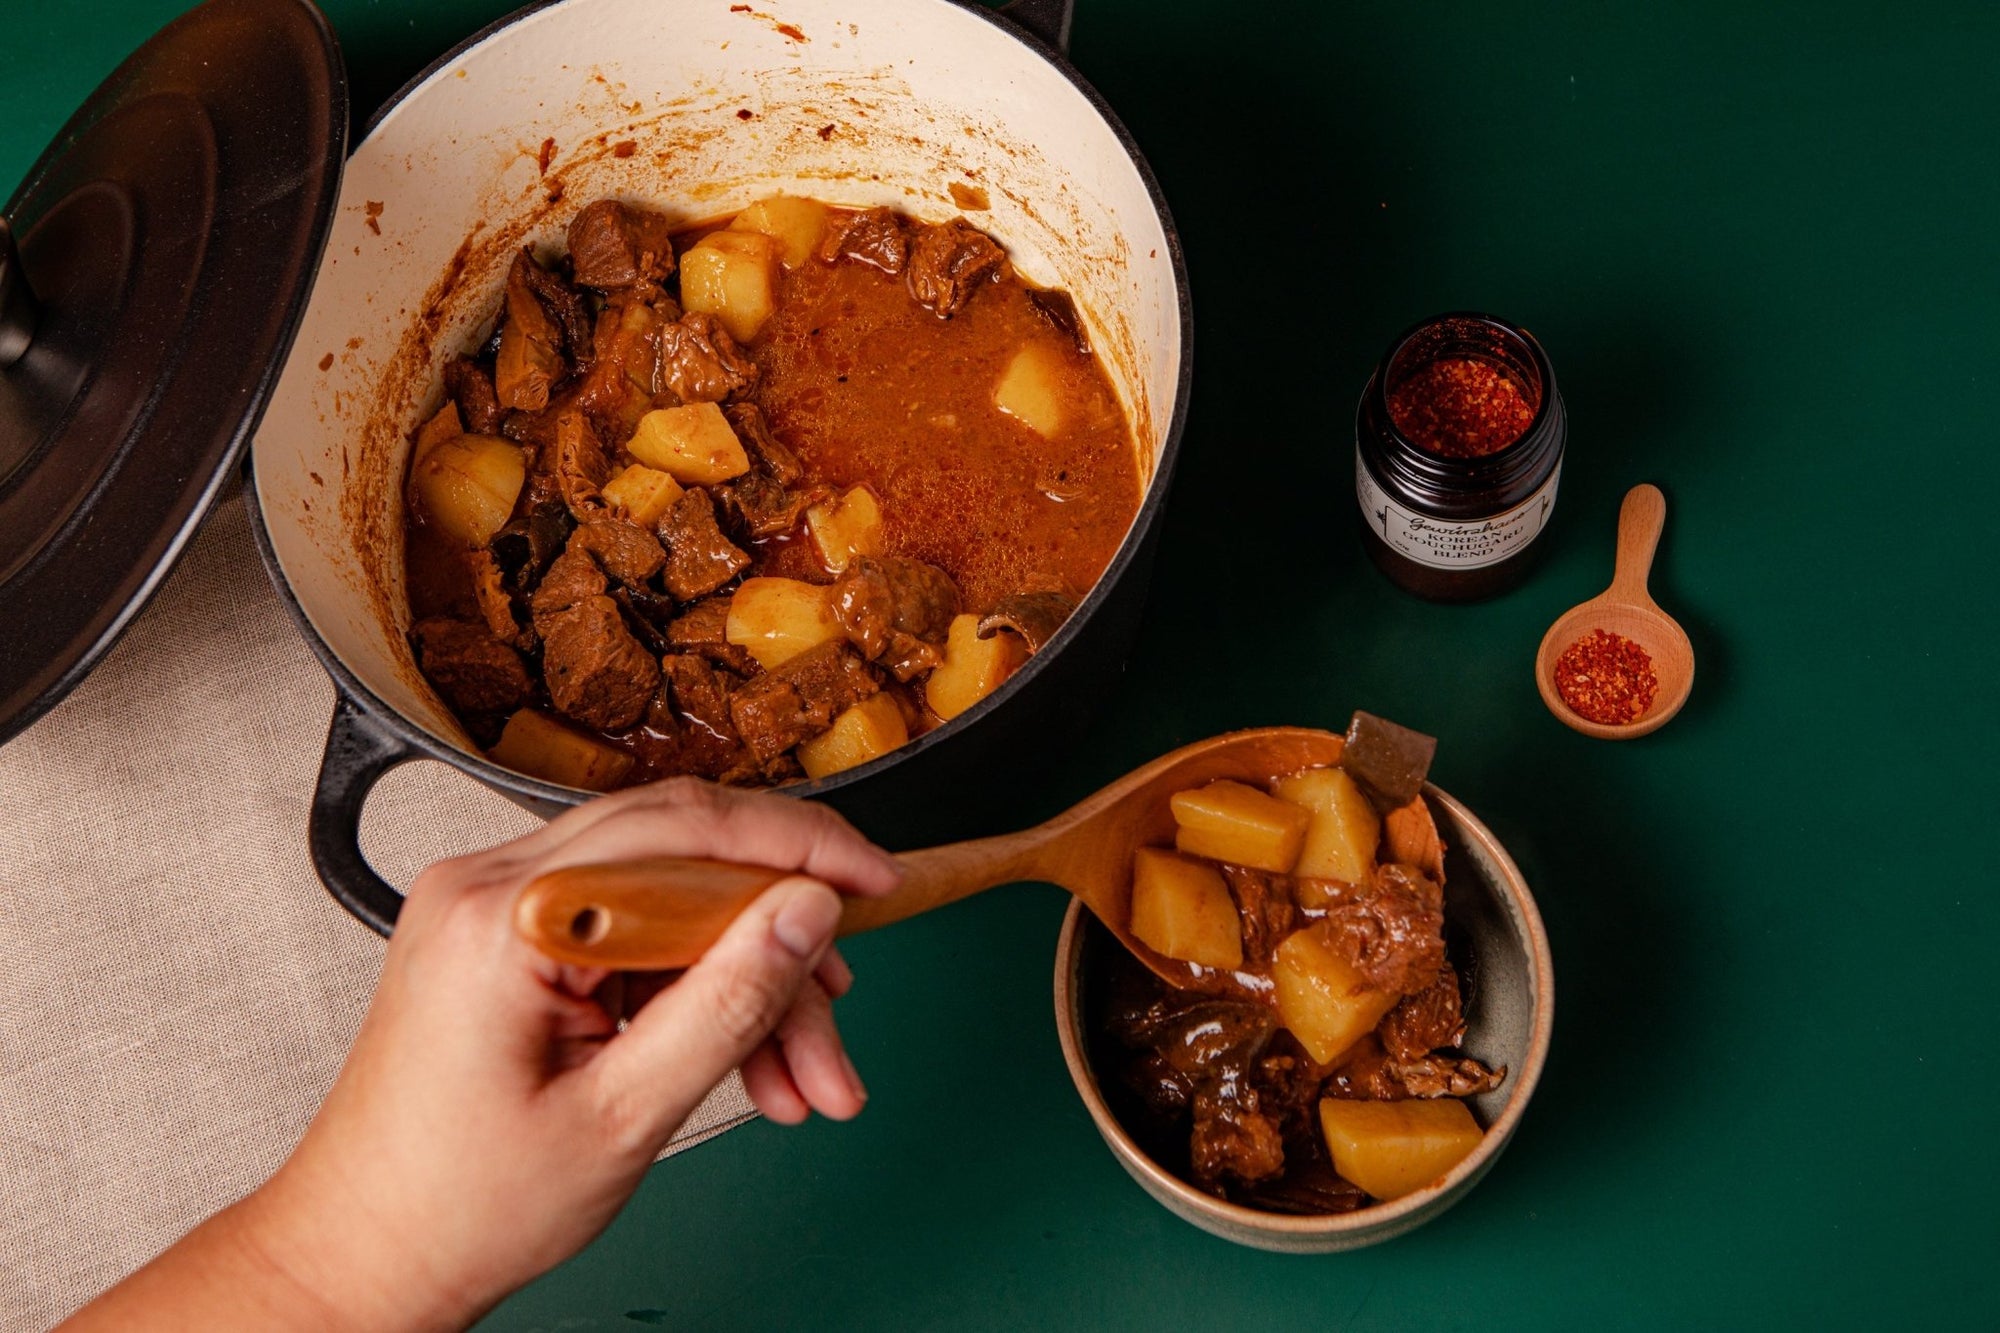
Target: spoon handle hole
x,y
588,926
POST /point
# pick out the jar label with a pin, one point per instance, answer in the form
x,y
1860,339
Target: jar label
x,y
1445,544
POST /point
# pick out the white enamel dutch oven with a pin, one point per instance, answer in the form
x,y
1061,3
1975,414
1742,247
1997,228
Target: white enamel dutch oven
x,y
697,108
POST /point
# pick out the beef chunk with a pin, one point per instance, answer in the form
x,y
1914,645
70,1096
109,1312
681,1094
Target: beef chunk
x,y
614,245
1389,761
896,611
535,431
468,385
1370,1074
645,628
624,550
759,506
495,603
573,578
1035,616
1425,1022
1391,930
581,467
873,236
625,373
651,608
1446,1076
1364,1075
565,305
1288,1080
596,671
701,363
799,699
475,672
704,629
525,547
767,452
699,558
1164,1089
1055,305
948,260
1309,1189
1233,1138
1201,1036
1264,903
709,744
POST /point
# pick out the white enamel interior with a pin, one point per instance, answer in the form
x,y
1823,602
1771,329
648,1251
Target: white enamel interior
x,y
918,94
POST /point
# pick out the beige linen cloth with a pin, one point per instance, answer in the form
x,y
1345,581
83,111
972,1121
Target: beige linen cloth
x,y
177,991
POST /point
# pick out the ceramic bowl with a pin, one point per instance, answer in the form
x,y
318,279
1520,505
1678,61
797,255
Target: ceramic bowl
x,y
1502,952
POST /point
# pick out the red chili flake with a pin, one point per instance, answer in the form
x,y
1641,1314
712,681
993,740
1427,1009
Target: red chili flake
x,y
826,131
546,156
1461,408
373,210
624,148
745,114
1606,678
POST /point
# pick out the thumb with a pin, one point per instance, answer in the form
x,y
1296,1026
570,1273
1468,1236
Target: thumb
x,y
708,1022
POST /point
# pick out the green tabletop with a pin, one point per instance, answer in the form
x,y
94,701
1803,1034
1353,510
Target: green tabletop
x,y
1760,249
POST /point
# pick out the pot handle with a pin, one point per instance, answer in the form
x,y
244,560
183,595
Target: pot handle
x,y
1047,19
359,750
17,302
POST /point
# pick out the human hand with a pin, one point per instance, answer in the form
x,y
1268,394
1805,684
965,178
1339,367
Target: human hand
x,y
492,1118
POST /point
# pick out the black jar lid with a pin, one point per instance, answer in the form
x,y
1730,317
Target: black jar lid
x,y
168,240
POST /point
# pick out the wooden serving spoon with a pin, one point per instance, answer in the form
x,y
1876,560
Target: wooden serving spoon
x,y
1625,608
665,913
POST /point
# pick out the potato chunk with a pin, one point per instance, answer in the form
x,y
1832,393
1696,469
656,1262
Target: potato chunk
x,y
733,276
1030,389
794,223
1227,821
1182,908
693,444
1340,841
1326,1003
868,730
538,745
777,619
846,528
1395,1148
642,494
973,667
467,485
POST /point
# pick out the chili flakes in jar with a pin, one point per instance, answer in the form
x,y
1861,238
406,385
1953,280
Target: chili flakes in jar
x,y
1459,407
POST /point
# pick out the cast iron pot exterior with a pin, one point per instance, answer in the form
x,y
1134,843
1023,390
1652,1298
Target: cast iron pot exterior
x,y
1492,924
326,546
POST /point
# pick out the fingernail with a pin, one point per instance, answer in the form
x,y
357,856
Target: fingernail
x,y
853,1077
805,924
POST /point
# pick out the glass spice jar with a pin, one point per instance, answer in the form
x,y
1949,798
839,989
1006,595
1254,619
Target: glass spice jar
x,y
1458,446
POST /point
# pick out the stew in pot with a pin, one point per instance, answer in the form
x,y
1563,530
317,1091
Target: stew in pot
x,y
755,502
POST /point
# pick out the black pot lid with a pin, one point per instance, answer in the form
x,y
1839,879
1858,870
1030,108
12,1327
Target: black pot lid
x,y
169,238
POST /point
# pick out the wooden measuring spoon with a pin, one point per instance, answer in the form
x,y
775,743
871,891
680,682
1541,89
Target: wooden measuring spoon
x,y
1626,609
665,913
